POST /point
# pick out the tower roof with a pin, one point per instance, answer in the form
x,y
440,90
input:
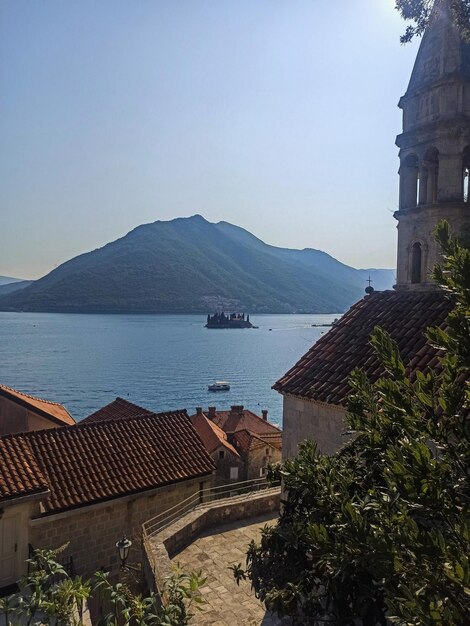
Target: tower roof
x,y
442,53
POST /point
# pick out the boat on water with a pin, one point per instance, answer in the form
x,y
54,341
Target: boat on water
x,y
219,385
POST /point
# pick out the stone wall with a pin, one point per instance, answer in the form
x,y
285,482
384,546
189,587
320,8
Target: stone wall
x,y
224,465
306,419
259,459
417,225
92,531
160,549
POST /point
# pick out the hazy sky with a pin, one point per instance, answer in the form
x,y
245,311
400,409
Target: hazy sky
x,y
279,116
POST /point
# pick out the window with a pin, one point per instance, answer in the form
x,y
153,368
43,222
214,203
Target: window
x,y
267,451
263,471
416,262
221,454
430,175
466,174
409,182
233,473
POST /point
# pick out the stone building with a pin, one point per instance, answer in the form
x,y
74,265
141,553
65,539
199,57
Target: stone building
x,y
228,461
241,443
434,185
20,412
89,484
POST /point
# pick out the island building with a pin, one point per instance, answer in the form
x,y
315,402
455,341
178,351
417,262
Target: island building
x,y
21,412
233,320
241,443
434,185
85,485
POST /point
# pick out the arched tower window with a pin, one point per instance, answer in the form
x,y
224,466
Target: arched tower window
x,y
416,263
409,177
466,174
429,177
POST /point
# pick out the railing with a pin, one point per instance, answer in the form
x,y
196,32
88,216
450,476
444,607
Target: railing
x,y
200,500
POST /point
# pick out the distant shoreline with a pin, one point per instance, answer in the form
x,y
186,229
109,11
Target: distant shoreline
x,y
160,313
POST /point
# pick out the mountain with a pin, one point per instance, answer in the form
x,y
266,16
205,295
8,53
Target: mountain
x,y
8,280
15,286
189,265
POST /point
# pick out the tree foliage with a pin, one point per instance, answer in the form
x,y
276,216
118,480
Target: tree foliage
x,y
49,596
420,13
381,531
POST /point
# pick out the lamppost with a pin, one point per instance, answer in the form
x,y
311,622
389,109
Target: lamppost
x,y
123,546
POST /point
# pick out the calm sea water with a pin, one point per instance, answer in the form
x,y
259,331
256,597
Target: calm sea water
x,y
159,361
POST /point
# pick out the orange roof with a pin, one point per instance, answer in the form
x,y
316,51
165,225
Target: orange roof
x,y
20,475
100,461
231,421
322,374
211,435
116,410
52,410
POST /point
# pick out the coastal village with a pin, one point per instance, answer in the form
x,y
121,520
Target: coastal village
x,y
189,486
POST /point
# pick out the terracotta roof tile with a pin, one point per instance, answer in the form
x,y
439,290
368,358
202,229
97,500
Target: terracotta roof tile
x,y
230,421
117,409
211,435
104,460
246,441
19,472
52,410
322,373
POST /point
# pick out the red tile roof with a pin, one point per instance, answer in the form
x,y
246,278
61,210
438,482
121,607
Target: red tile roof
x,y
231,421
245,441
101,461
51,410
322,373
211,435
19,472
116,410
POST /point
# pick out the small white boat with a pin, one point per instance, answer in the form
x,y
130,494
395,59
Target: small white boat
x,y
219,385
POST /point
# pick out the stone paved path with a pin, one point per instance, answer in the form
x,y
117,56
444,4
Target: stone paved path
x,y
227,604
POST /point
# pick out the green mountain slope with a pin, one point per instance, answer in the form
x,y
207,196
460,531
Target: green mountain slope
x,y
191,265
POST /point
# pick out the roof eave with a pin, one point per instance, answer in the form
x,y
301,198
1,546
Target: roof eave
x,y
30,407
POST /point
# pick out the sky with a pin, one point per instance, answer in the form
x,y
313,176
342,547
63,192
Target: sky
x,y
279,116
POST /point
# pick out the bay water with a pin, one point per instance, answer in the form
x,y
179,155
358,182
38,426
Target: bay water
x,y
162,362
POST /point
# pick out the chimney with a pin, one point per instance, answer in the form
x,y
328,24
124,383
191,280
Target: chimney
x,y
211,413
199,410
265,414
237,409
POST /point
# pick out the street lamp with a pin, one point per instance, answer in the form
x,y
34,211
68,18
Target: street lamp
x,y
123,546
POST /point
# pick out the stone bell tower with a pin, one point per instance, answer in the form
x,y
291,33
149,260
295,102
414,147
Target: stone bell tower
x,y
434,149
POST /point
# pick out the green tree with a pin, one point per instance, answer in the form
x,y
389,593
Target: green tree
x,y
48,595
420,13
381,531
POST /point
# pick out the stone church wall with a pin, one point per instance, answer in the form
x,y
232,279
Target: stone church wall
x,y
306,419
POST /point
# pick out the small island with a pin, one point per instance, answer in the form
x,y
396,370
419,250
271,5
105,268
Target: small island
x,y
234,320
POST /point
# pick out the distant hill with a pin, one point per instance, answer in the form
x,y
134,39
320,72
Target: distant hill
x,y
8,280
189,265
15,286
